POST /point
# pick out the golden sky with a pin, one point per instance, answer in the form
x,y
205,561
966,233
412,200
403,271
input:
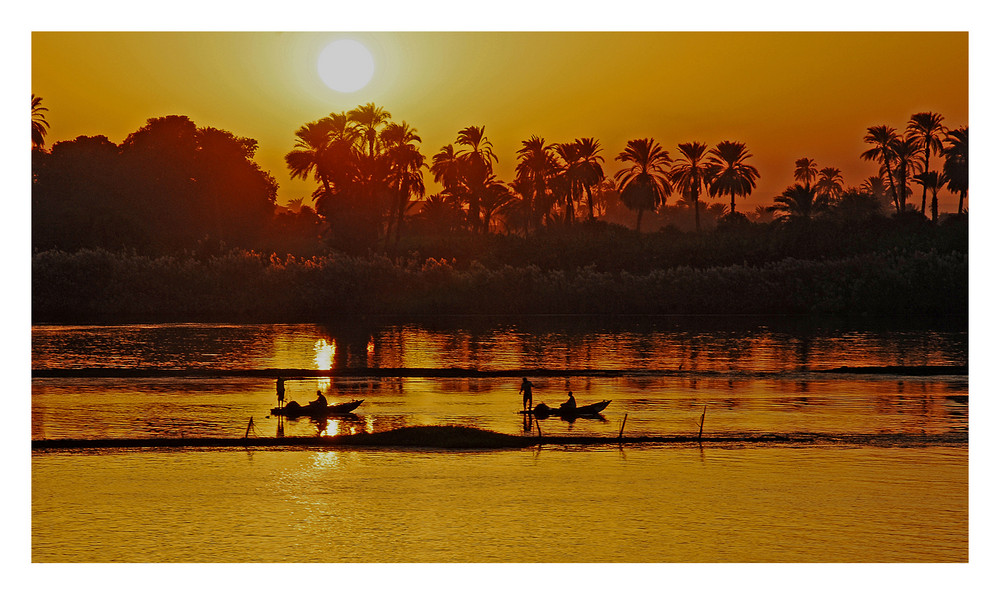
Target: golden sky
x,y
786,95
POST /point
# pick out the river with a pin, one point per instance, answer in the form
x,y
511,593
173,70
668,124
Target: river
x,y
887,480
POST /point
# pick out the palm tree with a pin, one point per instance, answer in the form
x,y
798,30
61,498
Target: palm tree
x,y
404,165
797,202
569,183
691,174
477,166
830,185
926,129
39,126
535,168
956,163
934,181
805,171
447,168
369,117
906,152
730,174
496,196
587,170
646,184
883,138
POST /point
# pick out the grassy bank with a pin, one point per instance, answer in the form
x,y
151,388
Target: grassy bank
x,y
240,286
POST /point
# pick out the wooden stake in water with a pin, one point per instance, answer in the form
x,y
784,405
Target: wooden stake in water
x,y
622,430
701,426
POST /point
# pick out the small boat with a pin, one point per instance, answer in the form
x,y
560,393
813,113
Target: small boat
x,y
541,411
293,409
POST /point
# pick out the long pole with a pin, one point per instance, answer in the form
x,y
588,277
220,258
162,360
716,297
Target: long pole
x,y
622,430
701,426
249,425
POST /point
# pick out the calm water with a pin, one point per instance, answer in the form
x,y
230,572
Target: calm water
x,y
857,503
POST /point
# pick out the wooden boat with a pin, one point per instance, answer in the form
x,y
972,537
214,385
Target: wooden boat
x,y
293,409
541,411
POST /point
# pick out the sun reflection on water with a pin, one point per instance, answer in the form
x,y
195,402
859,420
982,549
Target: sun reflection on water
x,y
323,358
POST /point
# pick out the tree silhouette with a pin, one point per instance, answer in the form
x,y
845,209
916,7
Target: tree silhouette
x,y
933,181
370,118
39,126
797,202
956,163
926,130
690,173
805,171
906,152
535,168
729,173
646,183
404,170
588,170
883,139
830,185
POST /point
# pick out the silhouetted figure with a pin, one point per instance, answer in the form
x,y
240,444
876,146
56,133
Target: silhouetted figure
x,y
570,404
281,390
526,389
319,401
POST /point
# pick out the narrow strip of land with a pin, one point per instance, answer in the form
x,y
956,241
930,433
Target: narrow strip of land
x,y
460,437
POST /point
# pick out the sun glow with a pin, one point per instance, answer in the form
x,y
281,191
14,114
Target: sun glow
x,y
323,358
346,65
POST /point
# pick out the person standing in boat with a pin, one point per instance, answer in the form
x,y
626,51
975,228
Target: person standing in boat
x,y
281,390
526,389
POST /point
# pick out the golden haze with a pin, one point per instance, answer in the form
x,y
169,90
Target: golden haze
x,y
787,95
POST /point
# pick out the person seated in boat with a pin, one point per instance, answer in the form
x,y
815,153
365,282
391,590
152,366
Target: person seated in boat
x,y
319,401
570,404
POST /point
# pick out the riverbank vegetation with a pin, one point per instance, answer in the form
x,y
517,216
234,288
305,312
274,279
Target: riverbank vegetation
x,y
179,222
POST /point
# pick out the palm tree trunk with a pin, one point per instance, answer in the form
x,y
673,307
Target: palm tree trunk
x,y
961,201
927,165
934,206
590,201
732,202
638,220
892,183
697,218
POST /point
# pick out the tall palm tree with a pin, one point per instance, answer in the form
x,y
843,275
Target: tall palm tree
x,y
404,170
830,185
805,171
646,183
569,182
39,126
934,181
926,129
730,174
797,202
691,173
477,165
447,168
535,168
883,138
956,163
906,154
587,170
370,118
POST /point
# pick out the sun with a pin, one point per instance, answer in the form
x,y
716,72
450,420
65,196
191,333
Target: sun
x,y
345,65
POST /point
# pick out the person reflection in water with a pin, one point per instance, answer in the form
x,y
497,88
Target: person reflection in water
x,y
526,389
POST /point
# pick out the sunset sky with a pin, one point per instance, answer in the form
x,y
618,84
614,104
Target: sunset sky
x,y
787,95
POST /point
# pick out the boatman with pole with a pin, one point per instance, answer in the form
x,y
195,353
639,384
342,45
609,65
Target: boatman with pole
x,y
526,389
281,391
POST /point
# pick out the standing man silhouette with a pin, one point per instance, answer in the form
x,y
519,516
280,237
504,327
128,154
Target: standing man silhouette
x,y
281,391
526,389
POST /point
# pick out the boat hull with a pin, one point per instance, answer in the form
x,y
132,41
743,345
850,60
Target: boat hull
x,y
318,412
541,411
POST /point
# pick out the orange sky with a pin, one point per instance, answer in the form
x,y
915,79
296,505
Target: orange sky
x,y
786,95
